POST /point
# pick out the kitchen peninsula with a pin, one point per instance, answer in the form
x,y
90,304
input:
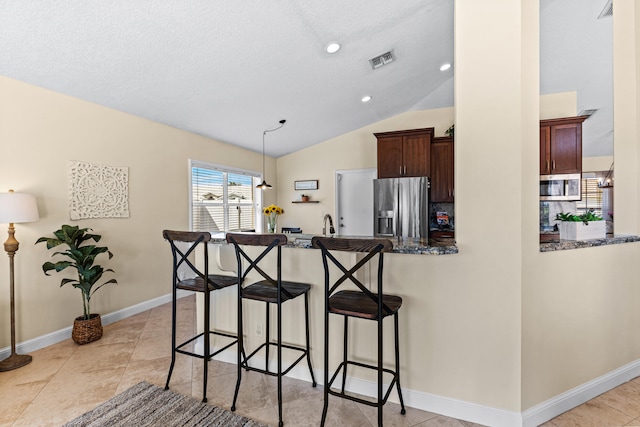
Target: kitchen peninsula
x,y
303,263
561,245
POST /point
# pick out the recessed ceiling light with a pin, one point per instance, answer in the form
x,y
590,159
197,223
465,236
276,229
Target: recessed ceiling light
x,y
332,47
366,98
445,67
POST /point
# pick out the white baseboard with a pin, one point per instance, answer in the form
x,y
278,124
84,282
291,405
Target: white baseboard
x,y
467,411
415,399
55,337
555,406
473,412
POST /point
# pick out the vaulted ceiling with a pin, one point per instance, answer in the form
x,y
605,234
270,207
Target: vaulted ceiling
x,y
231,69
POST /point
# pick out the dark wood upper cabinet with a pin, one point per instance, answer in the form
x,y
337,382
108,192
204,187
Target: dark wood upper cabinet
x,y
404,153
561,145
442,161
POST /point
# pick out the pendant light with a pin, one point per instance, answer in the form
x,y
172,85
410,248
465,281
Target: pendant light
x,y
264,185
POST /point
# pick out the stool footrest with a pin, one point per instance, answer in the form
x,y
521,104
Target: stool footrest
x,y
179,349
357,399
245,363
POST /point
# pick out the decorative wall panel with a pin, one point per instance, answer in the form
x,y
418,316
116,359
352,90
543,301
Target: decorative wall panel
x,y
98,191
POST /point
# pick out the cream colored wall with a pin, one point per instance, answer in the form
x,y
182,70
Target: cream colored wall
x,y
40,132
626,90
579,308
557,105
595,164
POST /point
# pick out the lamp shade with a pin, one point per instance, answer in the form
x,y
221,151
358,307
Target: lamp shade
x,y
18,207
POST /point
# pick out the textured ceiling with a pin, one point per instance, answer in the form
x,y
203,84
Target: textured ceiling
x,y
231,69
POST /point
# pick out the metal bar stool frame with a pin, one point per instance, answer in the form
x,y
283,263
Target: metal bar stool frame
x,y
358,304
264,291
195,284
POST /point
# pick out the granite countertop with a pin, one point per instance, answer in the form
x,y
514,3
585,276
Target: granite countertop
x,y
563,245
400,245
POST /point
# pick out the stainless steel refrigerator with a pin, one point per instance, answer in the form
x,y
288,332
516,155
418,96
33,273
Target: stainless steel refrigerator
x,y
401,207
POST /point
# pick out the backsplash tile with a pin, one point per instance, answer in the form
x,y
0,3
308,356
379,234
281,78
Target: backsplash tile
x,y
441,207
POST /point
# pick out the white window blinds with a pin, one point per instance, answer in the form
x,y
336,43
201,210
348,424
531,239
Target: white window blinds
x,y
591,197
223,199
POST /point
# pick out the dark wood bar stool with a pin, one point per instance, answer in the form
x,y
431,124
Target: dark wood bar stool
x,y
362,303
187,276
270,291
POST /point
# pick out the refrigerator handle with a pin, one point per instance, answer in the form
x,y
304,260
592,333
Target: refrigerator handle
x,y
398,217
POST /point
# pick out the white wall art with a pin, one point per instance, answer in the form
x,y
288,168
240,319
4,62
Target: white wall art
x,y
98,191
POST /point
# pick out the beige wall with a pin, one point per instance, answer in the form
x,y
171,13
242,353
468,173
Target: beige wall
x,y
595,164
500,297
579,308
500,324
40,132
558,105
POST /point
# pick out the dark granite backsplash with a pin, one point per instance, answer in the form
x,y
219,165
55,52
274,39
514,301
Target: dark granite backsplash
x,y
441,207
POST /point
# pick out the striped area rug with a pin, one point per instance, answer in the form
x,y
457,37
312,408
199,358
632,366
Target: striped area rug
x,y
147,405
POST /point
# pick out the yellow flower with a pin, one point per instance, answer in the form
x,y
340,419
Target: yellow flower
x,y
273,209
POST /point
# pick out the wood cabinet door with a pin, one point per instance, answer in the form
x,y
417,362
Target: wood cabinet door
x,y
545,155
415,153
389,156
566,148
442,164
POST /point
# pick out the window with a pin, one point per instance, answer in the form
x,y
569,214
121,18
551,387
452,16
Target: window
x,y
223,199
591,196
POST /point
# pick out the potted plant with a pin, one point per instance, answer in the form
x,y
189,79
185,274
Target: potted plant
x,y
80,255
304,198
581,227
450,131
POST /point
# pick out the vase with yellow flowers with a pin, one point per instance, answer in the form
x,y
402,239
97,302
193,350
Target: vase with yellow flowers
x,y
272,212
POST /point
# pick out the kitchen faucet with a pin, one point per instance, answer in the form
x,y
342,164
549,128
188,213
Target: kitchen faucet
x,y
332,230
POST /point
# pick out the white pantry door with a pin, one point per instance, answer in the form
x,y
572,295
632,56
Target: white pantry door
x,y
354,202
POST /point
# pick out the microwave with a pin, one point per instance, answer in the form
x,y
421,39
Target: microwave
x,y
563,187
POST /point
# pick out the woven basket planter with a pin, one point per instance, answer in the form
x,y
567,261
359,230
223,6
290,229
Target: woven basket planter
x,y
86,331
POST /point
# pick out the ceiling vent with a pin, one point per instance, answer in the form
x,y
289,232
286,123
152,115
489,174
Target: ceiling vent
x,y
380,60
588,112
607,11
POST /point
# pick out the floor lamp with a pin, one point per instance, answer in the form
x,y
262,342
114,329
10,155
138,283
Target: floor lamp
x,y
15,208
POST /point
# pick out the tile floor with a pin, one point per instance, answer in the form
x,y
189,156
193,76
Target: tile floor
x,y
66,380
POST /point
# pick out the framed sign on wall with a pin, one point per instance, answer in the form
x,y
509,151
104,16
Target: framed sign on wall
x,y
306,185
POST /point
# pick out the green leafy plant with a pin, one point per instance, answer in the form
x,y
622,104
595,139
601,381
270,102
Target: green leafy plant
x,y
80,257
450,131
584,218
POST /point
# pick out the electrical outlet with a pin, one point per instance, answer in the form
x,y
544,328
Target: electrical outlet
x,y
259,329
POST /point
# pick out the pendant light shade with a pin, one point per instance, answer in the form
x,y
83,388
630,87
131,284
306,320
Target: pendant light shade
x,y
263,185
